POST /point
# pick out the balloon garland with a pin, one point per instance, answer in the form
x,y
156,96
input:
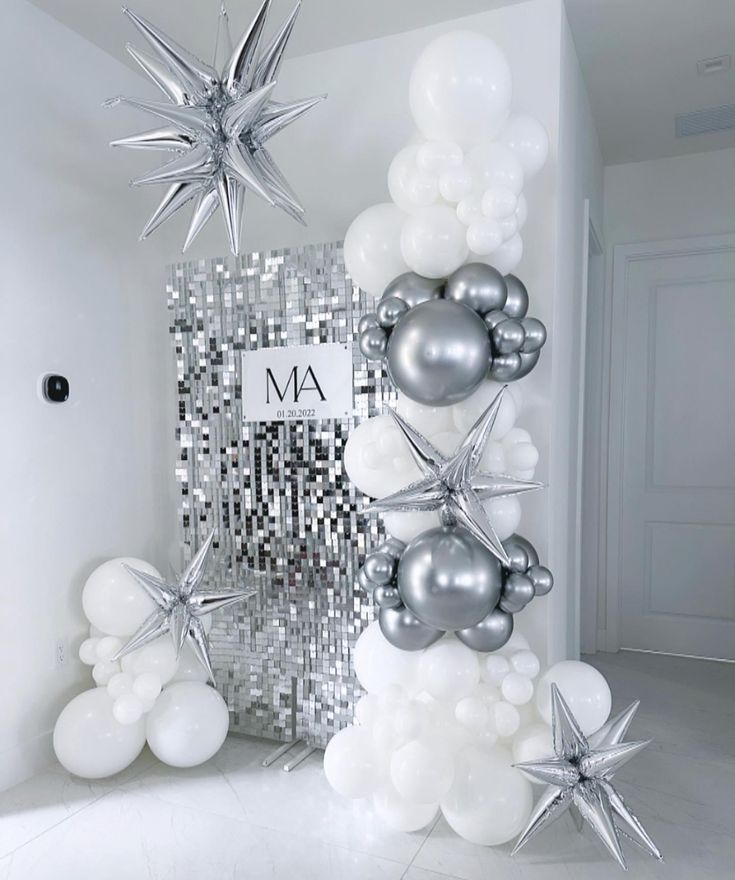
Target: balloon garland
x,y
458,717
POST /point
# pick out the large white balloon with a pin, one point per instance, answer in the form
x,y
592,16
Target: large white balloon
x,y
411,187
460,88
469,411
350,763
113,600
449,670
373,247
585,690
400,814
188,724
189,668
378,664
490,800
433,241
409,524
422,770
533,743
505,514
89,742
528,140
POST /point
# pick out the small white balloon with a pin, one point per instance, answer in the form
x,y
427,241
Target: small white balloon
x,y
127,709
409,524
449,670
400,815
494,166
436,156
400,171
517,642
484,236
103,671
120,683
189,667
433,242
508,227
107,647
112,598
585,690
533,743
147,687
494,668
469,210
522,457
517,689
499,202
350,763
528,140
455,183
188,724
89,742
504,718
472,713
378,664
372,247
88,651
367,710
410,721
493,458
422,770
522,211
526,663
371,469
426,419
505,515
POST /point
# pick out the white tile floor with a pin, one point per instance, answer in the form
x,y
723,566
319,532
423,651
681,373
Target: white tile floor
x,y
233,818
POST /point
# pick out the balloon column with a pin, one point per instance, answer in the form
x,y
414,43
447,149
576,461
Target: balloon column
x,y
455,697
149,656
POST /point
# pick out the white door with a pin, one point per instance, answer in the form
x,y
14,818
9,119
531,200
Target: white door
x,y
674,347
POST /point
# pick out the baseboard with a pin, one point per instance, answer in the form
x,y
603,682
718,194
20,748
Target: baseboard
x,y
24,760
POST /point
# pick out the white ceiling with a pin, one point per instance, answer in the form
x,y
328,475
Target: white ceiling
x,y
638,56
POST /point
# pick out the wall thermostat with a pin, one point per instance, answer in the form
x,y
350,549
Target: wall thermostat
x,y
55,388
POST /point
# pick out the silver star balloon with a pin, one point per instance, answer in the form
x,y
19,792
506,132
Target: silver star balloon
x,y
578,779
454,485
217,123
180,608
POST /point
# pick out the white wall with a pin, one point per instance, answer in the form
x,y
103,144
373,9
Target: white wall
x,y
87,479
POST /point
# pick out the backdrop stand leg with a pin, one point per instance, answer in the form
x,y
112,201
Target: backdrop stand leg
x,y
281,750
299,758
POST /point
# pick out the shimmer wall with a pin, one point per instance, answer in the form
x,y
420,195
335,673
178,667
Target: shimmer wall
x,y
275,492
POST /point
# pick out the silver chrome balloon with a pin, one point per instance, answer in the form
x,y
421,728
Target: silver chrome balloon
x,y
438,353
414,289
578,778
535,335
390,310
180,607
516,304
448,579
508,336
541,578
217,125
478,286
405,631
374,343
518,590
490,633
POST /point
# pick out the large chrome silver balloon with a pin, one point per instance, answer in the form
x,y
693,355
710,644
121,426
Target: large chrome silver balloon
x,y
405,631
180,607
216,124
448,579
478,286
438,353
490,633
414,289
578,779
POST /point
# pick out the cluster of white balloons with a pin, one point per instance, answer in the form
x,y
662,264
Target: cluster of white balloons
x,y
378,460
147,695
457,187
440,729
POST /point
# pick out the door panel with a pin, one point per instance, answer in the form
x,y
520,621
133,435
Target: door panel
x,y
677,528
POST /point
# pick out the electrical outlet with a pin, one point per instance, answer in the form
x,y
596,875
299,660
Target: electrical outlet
x,y
60,653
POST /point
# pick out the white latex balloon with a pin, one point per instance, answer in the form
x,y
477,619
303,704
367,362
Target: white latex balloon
x,y
472,713
436,156
422,770
505,719
103,671
533,743
350,763
507,256
517,689
189,668
410,721
460,88
147,687
426,419
522,211
409,525
378,664
400,815
521,457
411,186
490,800
372,247
113,600
517,642
373,470
585,690
88,651
107,647
493,458
433,241
494,166
159,657
528,140
127,709
120,683
494,668
505,515
455,183
449,670
89,742
469,411
469,210
526,663
187,724
508,226
484,236
499,202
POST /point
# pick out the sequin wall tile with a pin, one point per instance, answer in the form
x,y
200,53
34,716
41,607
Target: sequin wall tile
x,y
276,492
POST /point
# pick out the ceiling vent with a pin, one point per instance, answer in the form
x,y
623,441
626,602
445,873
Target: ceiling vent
x,y
704,121
714,65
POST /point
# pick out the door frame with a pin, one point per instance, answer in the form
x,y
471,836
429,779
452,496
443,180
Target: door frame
x,y
614,382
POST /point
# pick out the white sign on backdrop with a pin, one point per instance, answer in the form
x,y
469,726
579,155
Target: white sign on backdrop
x,y
297,382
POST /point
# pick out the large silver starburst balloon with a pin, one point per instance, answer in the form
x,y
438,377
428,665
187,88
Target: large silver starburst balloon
x,y
180,608
217,125
454,485
579,780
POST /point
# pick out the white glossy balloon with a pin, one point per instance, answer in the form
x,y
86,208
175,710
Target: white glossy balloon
x,y
107,647
526,663
505,515
469,411
113,600
517,642
490,800
373,470
400,815
460,88
350,763
189,668
88,651
494,166
378,664
411,186
436,156
455,183
585,690
484,236
521,457
533,743
528,140
472,713
505,719
103,671
522,211
159,657
409,525
426,419
493,458
187,725
147,687
499,202
89,742
494,668
507,256
517,689
433,241
120,683
372,247
422,770
127,709
367,710
469,210
449,670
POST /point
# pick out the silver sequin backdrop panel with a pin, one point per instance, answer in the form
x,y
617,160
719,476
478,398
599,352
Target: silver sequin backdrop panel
x,y
276,492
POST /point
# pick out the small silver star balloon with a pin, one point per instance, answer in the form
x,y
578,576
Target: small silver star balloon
x,y
180,607
217,122
578,779
454,485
